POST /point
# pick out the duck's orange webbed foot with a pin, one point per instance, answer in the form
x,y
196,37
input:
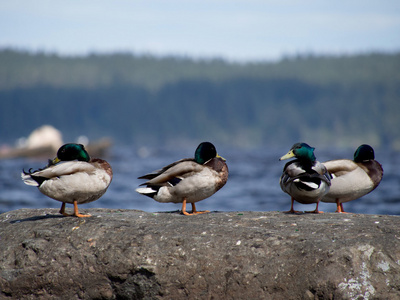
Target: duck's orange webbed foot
x,y
76,211
339,208
194,211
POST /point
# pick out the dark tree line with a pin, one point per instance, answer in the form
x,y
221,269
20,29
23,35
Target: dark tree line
x,y
214,100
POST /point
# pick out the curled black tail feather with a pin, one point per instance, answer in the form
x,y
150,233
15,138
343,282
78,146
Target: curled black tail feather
x,y
29,171
34,171
38,179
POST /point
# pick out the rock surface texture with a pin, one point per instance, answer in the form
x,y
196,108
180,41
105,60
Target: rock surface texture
x,y
128,254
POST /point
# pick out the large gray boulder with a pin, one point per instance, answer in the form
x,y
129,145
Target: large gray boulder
x,y
128,254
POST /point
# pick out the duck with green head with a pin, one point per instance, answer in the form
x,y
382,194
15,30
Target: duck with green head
x,y
72,177
353,179
305,179
188,180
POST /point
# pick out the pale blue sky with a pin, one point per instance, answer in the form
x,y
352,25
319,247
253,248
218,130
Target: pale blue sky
x,y
243,30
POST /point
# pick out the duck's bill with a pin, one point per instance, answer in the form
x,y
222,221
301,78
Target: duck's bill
x,y
290,154
218,156
55,161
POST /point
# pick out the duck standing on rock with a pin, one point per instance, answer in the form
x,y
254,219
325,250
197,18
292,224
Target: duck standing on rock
x,y
305,179
188,180
353,179
72,177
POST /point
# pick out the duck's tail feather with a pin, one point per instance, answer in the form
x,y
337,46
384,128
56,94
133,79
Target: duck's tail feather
x,y
27,178
147,191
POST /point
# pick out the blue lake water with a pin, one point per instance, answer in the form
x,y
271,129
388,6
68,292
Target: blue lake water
x,y
253,183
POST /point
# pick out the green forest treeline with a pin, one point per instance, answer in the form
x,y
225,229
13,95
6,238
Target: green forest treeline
x,y
323,100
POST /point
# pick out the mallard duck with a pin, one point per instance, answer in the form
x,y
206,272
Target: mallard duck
x,y
188,180
305,179
353,179
72,177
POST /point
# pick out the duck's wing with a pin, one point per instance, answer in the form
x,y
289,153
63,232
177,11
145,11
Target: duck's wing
x,y
339,167
67,168
180,170
164,169
321,172
295,171
291,172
